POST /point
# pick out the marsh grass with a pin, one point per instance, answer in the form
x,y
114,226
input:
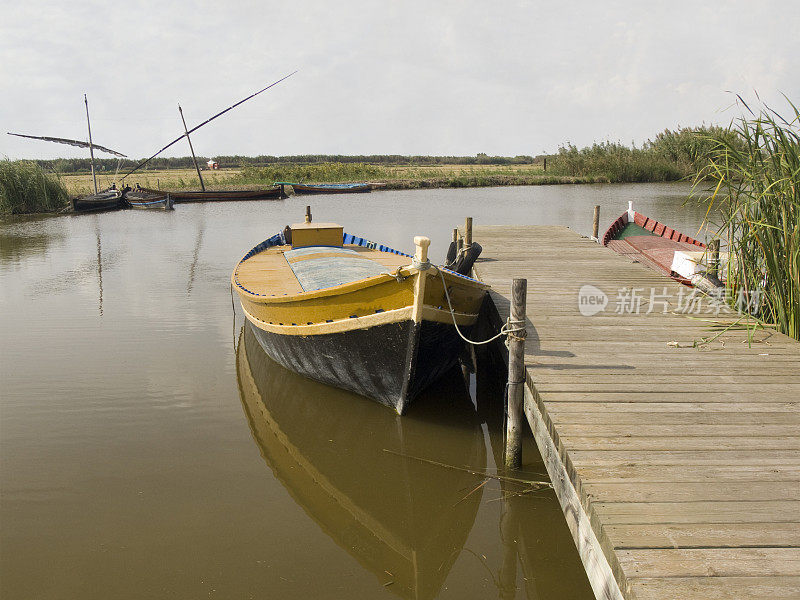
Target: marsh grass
x,y
756,190
671,156
405,177
26,188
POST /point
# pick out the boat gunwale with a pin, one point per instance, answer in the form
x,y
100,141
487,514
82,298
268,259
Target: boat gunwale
x,y
620,222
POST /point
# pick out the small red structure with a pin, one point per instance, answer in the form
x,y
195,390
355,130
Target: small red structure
x,y
212,164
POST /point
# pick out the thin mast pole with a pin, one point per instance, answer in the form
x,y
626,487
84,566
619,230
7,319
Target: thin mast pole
x,y
194,158
91,148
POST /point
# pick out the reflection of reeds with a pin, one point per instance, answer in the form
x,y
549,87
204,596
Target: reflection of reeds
x,y
26,188
757,192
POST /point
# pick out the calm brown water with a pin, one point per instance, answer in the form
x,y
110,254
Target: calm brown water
x,y
151,450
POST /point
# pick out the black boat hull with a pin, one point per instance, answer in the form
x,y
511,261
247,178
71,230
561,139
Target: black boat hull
x,y
389,363
98,203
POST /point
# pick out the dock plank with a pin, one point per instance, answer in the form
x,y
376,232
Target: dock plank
x,y
674,434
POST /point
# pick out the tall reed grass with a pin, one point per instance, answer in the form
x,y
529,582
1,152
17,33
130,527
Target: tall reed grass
x,y
671,156
26,188
757,191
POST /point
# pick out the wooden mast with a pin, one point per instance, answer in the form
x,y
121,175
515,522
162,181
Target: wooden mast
x,y
194,158
91,148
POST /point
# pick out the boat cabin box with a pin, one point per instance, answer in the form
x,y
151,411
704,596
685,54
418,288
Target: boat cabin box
x,y
316,234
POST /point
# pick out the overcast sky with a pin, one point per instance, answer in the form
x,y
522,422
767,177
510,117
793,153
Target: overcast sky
x,y
443,78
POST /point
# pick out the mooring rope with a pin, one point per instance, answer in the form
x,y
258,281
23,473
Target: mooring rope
x,y
510,328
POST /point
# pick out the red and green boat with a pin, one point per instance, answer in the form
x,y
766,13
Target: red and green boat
x,y
661,248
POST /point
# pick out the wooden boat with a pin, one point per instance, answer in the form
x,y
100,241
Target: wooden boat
x,y
355,314
140,199
403,520
661,248
330,188
273,193
111,199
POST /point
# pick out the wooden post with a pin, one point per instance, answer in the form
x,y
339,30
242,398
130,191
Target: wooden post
x,y
545,164
468,233
455,234
713,259
308,214
516,375
194,158
91,148
596,224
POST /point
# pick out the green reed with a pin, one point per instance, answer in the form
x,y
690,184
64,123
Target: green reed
x,y
26,188
756,190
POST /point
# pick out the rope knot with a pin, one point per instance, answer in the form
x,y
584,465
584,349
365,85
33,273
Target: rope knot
x,y
420,266
515,330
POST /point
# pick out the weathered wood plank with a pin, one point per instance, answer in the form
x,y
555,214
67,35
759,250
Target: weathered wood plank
x,y
646,427
686,457
677,442
708,474
716,588
774,511
699,535
688,491
711,562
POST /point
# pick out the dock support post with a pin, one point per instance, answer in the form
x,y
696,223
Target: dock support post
x,y
468,233
516,375
596,224
713,259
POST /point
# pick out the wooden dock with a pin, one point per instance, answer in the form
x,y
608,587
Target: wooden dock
x,y
677,467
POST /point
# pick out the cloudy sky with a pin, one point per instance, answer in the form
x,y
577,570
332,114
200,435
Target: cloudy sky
x,y
384,77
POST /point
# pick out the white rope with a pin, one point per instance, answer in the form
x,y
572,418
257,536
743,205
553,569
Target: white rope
x,y
504,330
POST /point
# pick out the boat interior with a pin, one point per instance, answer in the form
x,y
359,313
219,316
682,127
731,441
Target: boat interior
x,y
281,270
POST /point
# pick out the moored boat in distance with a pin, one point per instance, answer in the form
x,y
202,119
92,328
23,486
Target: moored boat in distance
x,y
110,199
273,193
663,249
140,199
355,314
330,188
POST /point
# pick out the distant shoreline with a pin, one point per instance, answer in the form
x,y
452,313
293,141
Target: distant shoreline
x,y
452,176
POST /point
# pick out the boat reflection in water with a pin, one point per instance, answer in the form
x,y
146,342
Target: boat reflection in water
x,y
404,520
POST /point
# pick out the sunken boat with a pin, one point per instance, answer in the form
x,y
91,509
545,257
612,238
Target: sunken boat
x,y
331,188
663,249
357,314
403,519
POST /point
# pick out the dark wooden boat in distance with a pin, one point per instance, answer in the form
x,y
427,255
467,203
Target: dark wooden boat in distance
x,y
661,248
330,188
111,199
273,193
